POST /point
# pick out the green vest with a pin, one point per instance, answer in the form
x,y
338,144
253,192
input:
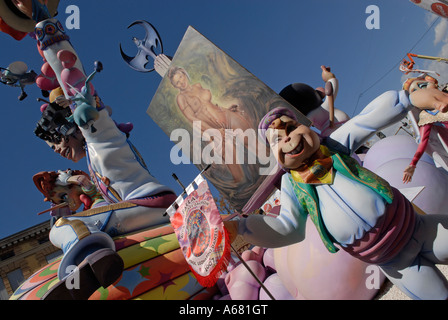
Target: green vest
x,y
349,167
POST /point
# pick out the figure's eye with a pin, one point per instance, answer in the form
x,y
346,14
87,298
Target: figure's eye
x,y
59,198
60,27
39,33
289,128
423,85
50,29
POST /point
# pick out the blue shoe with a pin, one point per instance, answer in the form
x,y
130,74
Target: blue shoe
x,y
99,269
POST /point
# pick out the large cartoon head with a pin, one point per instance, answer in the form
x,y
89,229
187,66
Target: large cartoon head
x,y
20,14
60,132
56,191
291,142
420,82
49,32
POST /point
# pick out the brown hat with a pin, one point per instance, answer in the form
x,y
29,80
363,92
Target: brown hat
x,y
45,181
17,19
57,92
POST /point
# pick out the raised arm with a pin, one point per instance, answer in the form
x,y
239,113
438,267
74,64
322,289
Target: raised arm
x,y
425,131
383,111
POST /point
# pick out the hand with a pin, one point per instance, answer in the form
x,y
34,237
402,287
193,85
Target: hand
x,y
81,180
63,102
66,177
63,177
326,73
408,173
430,98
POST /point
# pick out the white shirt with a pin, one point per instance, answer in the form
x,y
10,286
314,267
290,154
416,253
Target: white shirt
x,y
112,156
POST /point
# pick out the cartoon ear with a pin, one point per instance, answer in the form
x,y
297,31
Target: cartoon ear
x,y
321,92
302,96
329,90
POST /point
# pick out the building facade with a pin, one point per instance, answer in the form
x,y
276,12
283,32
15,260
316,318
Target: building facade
x,y
22,254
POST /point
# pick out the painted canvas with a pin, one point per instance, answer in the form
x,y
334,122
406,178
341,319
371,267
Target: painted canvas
x,y
210,106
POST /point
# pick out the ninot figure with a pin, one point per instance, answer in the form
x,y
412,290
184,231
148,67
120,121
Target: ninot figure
x,y
16,75
134,199
115,165
427,120
67,191
86,236
352,208
84,245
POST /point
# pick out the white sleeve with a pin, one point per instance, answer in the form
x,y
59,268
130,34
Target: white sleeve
x,y
383,111
334,82
272,232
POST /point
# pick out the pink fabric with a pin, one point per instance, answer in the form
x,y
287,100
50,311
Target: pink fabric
x,y
161,200
389,236
425,131
424,134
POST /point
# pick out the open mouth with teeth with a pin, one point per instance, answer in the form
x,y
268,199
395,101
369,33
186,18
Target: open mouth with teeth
x,y
296,151
66,153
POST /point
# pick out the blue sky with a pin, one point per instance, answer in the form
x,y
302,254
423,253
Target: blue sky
x,y
280,42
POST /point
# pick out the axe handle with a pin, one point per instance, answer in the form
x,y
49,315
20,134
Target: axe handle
x,y
162,64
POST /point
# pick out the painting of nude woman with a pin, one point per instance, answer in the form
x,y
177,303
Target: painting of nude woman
x,y
205,86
